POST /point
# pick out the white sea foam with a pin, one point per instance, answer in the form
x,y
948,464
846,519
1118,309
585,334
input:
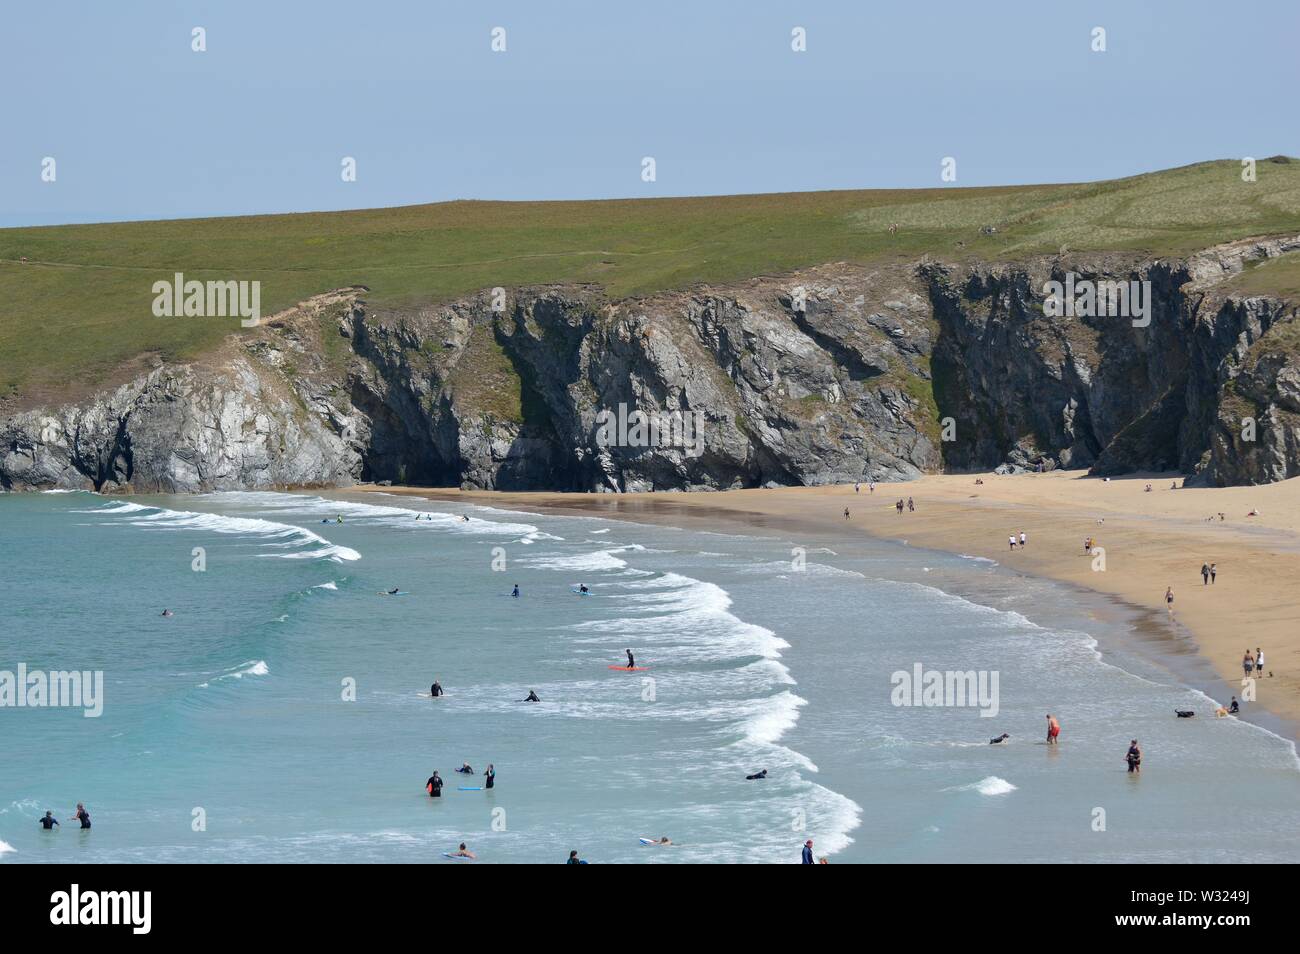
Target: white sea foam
x,y
6,848
331,585
991,785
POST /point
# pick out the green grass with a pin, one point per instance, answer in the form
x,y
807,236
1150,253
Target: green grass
x,y
78,314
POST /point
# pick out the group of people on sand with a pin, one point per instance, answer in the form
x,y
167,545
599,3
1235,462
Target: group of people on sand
x,y
1022,541
857,486
898,505
1253,664
1208,573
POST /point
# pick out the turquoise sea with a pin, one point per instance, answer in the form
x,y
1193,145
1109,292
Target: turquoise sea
x,y
281,713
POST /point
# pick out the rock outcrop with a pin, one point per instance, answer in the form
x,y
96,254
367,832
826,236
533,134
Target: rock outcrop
x,y
830,375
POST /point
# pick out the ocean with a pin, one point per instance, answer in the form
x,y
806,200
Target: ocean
x,y
281,713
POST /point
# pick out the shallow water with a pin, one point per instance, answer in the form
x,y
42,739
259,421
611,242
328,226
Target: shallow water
x,y
232,709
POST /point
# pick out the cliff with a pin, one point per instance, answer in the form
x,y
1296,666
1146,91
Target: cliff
x,y
826,375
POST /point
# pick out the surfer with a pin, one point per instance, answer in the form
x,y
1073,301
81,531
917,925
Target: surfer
x,y
582,588
393,592
515,591
756,776
574,860
464,519
82,816
532,697
436,689
1134,757
339,518
490,775
662,840
434,785
465,769
631,660
49,821
463,852
1053,729
1000,739
167,612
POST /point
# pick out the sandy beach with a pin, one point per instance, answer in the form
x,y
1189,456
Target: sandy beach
x,y
1150,541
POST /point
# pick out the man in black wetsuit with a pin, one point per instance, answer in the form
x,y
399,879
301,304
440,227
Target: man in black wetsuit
x,y
631,660
490,775
49,821
436,689
82,815
434,785
515,593
532,697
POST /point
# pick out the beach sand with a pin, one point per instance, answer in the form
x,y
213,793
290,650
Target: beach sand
x,y
1151,540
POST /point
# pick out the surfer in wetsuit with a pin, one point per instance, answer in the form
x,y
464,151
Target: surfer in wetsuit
x,y
1134,757
465,769
756,776
49,821
490,775
582,588
532,697
167,612
436,689
393,592
515,592
83,816
434,785
631,660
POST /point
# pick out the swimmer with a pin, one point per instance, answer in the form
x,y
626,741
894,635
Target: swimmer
x,y
664,840
463,852
393,592
532,697
465,769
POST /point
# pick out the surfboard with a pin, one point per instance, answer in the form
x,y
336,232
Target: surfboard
x,y
448,854
579,592
468,788
647,841
633,669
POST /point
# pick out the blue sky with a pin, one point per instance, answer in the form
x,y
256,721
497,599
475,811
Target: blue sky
x,y
141,126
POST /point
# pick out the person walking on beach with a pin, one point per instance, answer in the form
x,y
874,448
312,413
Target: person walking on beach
x,y
1205,574
1053,729
1259,661
899,506
1011,541
911,507
1023,539
1134,757
846,513
1169,599
871,487
857,487
1214,571
1248,663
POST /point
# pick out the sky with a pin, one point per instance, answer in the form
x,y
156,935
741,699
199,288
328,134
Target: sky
x,y
142,126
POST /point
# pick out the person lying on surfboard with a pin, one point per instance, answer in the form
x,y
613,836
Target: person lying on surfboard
x,y
463,852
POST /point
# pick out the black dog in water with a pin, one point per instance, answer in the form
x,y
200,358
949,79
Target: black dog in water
x,y
1000,739
751,778
1184,713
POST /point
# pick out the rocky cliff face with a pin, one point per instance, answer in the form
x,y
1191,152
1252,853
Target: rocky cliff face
x,y
834,374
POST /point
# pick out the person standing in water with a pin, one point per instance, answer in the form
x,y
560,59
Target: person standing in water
x,y
1134,757
515,592
436,689
49,821
82,816
532,697
490,776
1053,729
434,785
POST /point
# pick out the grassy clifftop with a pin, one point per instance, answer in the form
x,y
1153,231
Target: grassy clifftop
x,y
77,315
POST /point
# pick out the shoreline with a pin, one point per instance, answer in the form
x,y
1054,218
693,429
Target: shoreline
x,y
1151,540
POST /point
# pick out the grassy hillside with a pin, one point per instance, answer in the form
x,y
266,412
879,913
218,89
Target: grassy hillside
x,y
78,314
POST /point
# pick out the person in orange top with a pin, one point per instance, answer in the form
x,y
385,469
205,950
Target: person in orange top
x,y
1053,729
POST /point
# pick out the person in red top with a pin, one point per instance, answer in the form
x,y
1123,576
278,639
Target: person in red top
x,y
1053,729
